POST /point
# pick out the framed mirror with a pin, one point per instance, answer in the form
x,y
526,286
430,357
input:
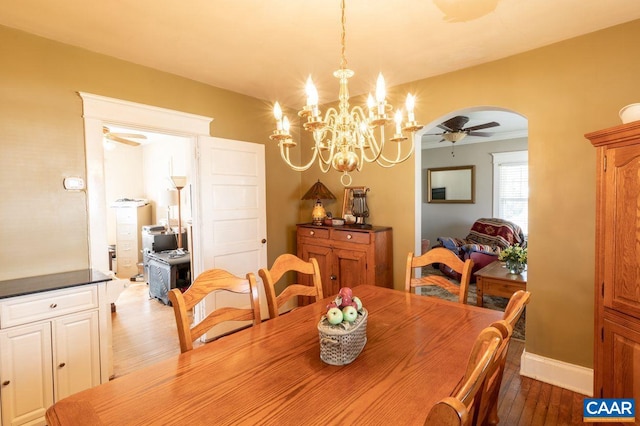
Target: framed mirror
x,y
451,184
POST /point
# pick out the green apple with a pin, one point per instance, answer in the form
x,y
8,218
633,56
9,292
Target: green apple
x,y
349,313
334,316
358,302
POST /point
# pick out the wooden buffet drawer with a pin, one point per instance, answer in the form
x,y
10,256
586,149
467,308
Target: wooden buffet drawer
x,y
351,236
320,233
40,306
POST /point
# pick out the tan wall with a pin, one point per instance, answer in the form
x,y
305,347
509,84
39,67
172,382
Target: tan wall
x,y
42,141
564,90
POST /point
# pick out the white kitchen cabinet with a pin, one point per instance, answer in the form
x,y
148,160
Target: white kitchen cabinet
x,y
49,349
27,377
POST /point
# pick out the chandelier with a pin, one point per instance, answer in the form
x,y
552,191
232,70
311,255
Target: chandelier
x,y
345,139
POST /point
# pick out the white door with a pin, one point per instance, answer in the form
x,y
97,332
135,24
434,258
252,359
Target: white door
x,y
230,213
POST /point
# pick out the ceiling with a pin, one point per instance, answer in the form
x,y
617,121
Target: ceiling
x,y
267,49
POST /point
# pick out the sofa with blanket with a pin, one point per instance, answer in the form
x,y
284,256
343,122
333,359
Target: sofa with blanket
x,y
487,237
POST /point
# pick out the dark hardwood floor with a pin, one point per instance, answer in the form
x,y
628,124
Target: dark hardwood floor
x,y
144,333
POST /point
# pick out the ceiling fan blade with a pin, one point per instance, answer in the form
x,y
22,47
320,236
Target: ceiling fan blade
x,y
481,134
456,123
445,128
122,140
482,126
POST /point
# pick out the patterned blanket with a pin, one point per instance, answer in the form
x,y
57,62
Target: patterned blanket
x,y
487,235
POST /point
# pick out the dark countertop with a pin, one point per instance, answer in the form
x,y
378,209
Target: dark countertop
x,y
29,285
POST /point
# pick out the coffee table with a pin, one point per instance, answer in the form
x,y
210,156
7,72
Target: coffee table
x,y
494,279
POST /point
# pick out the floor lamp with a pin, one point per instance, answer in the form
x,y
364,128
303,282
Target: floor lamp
x,y
179,182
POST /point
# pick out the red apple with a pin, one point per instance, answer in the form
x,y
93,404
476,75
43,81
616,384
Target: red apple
x,y
331,305
346,301
346,292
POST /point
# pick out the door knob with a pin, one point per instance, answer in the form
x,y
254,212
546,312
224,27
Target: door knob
x,y
6,382
333,278
264,241
62,364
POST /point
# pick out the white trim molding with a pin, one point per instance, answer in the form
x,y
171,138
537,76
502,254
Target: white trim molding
x,y
98,110
558,373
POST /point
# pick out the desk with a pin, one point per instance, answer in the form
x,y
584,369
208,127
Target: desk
x,y
494,279
416,353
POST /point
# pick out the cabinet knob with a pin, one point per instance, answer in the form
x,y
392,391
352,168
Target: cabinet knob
x,y
6,382
349,236
333,278
264,241
312,232
62,364
53,305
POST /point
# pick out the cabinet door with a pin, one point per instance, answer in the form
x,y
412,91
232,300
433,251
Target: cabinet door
x,y
350,267
621,358
25,373
622,230
76,353
323,255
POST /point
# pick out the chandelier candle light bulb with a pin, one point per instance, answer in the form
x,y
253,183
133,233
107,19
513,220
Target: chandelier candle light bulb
x,y
344,138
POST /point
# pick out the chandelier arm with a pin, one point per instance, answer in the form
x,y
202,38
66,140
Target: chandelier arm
x,y
398,160
284,153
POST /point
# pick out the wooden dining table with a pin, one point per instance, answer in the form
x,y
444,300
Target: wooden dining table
x,y
416,353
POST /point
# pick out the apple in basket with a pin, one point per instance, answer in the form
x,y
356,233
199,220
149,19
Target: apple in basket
x,y
334,316
349,313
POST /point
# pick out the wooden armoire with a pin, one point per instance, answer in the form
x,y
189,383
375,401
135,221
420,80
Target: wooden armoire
x,y
617,276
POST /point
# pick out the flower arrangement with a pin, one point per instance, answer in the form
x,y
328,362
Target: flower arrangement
x,y
515,258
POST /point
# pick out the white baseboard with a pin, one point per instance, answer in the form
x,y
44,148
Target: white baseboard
x,y
558,373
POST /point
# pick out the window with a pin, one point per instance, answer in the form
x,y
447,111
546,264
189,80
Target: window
x,y
511,187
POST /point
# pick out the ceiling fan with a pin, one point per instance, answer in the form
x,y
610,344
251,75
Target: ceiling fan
x,y
455,131
122,137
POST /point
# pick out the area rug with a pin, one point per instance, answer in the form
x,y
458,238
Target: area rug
x,y
490,302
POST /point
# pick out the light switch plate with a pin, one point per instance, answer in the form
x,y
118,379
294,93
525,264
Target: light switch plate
x,y
73,183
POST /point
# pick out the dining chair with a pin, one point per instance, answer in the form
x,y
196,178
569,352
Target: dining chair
x,y
439,255
206,283
487,410
290,263
515,307
460,408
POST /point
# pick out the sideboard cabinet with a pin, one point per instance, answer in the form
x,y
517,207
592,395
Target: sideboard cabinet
x,y
348,256
617,275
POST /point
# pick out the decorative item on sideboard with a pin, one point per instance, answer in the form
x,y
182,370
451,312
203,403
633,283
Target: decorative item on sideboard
x,y
318,192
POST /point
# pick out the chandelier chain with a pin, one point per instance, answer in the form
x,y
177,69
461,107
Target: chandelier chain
x,y
343,38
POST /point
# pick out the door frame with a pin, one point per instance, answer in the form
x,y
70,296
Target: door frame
x,y
100,109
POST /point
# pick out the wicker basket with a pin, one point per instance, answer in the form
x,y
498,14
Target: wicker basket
x,y
340,346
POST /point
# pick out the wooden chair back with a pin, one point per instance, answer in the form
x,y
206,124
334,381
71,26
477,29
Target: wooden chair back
x,y
206,283
487,409
515,307
439,255
460,408
290,263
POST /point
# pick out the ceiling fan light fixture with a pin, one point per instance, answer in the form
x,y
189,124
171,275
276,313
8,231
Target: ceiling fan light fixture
x,y
454,137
